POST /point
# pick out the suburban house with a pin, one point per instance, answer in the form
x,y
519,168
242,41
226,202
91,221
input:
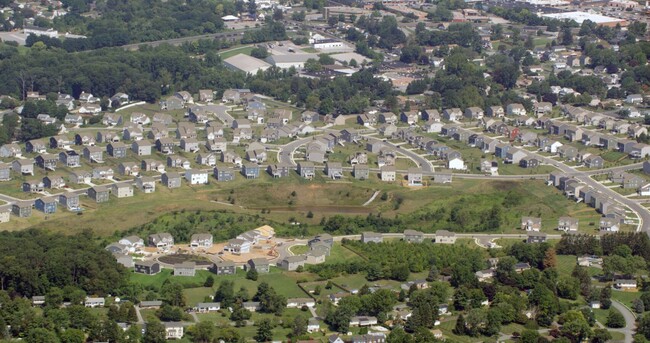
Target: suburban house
x,y
531,223
535,237
238,246
625,284
122,190
141,147
161,240
250,171
185,269
47,161
388,173
46,205
22,209
567,224
94,302
10,150
445,237
85,139
196,177
116,149
291,263
173,330
300,302
81,176
94,154
361,171
23,166
279,170
367,237
171,179
225,268
128,168
70,158
149,267
201,240
99,193
224,173
414,177
261,265
306,170
70,200
413,236
334,170
146,184
362,321
608,225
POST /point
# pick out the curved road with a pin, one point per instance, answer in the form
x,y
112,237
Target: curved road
x,y
641,212
630,321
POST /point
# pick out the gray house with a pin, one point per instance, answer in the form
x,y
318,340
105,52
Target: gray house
x,y
225,268
334,170
70,200
99,193
222,173
70,158
413,236
278,170
361,171
367,237
117,149
94,154
250,171
261,265
308,171
171,180
185,269
22,209
292,263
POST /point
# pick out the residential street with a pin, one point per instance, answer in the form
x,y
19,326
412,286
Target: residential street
x,y
630,320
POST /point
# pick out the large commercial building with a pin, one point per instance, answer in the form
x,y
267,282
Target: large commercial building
x,y
245,63
580,17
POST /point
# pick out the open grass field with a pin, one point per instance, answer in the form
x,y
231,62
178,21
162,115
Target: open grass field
x,y
320,196
625,298
566,264
246,50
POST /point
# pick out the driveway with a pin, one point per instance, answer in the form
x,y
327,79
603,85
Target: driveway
x,y
630,320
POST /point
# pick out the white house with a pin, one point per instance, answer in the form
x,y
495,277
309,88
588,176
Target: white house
x,y
173,330
456,163
94,302
196,177
644,190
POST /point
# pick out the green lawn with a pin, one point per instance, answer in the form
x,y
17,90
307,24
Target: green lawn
x,y
246,50
601,314
566,264
625,297
283,282
340,254
299,249
196,295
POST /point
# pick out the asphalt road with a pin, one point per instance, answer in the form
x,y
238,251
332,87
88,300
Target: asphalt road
x,y
641,212
630,321
422,162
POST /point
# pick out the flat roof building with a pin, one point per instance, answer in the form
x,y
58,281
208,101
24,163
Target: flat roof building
x,y
245,63
580,17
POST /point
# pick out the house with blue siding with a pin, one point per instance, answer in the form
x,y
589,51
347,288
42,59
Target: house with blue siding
x,y
46,205
250,171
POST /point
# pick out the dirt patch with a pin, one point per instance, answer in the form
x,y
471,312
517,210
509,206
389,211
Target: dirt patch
x,y
180,258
